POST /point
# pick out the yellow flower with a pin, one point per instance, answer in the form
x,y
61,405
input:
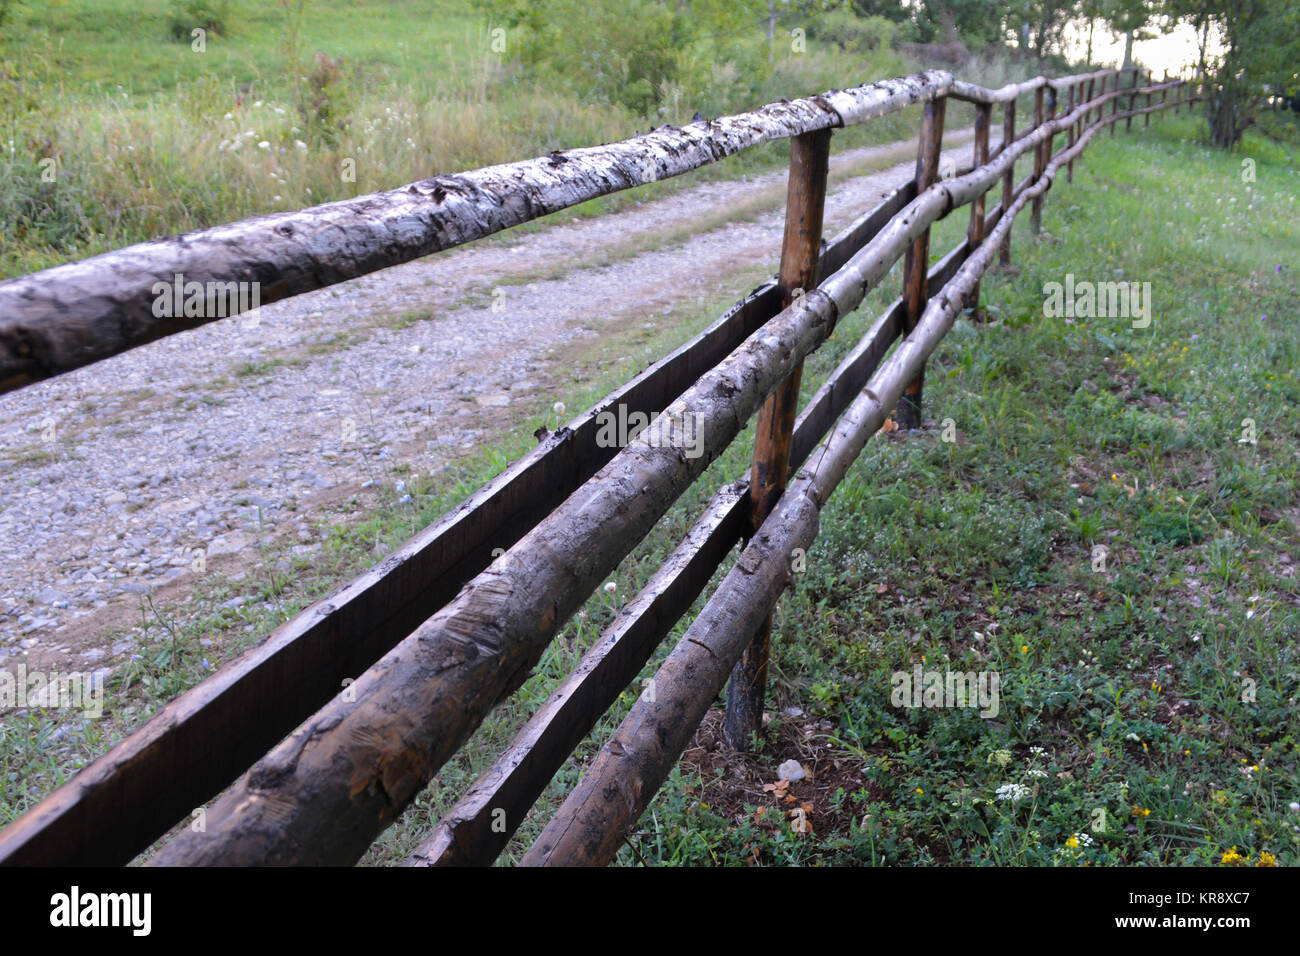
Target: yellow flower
x,y
1141,811
1233,858
919,790
1266,859
1073,841
1024,648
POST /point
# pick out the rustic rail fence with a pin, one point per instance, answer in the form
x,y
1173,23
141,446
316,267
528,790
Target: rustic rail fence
x,y
322,733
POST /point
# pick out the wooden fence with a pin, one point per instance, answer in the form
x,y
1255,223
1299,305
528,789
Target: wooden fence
x,y
320,735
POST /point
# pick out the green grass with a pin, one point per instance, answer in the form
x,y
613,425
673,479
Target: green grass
x,y
116,133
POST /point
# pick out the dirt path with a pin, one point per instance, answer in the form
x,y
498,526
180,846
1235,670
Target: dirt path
x,y
228,436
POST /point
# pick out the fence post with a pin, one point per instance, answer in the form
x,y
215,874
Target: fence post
x,y
1114,108
1087,114
1036,213
800,248
1008,178
975,231
1146,117
1071,135
1132,99
916,264
1164,94
1178,96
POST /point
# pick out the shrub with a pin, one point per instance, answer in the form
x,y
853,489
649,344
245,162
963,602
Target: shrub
x,y
214,16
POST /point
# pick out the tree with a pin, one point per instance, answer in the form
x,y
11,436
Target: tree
x,y
1261,57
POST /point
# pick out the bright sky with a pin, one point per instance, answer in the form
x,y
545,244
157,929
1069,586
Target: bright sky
x,y
1175,51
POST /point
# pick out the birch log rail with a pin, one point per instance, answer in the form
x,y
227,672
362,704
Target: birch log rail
x,y
441,631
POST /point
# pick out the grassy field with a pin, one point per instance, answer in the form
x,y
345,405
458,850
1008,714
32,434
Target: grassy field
x,y
113,130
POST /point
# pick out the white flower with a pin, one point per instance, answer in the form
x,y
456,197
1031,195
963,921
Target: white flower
x,y
263,145
299,144
1038,751
1013,792
559,408
1083,839
610,587
1035,772
1293,805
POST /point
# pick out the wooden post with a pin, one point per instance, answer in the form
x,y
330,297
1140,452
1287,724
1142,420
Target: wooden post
x,y
1071,136
1036,213
801,245
1008,178
1178,97
1087,114
975,231
1114,104
916,264
1146,117
1164,94
1132,99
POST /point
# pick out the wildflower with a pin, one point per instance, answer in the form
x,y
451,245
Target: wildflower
x,y
1233,858
1000,757
1293,806
1141,811
610,587
1035,772
919,790
1013,792
263,145
559,408
1038,751
1266,859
